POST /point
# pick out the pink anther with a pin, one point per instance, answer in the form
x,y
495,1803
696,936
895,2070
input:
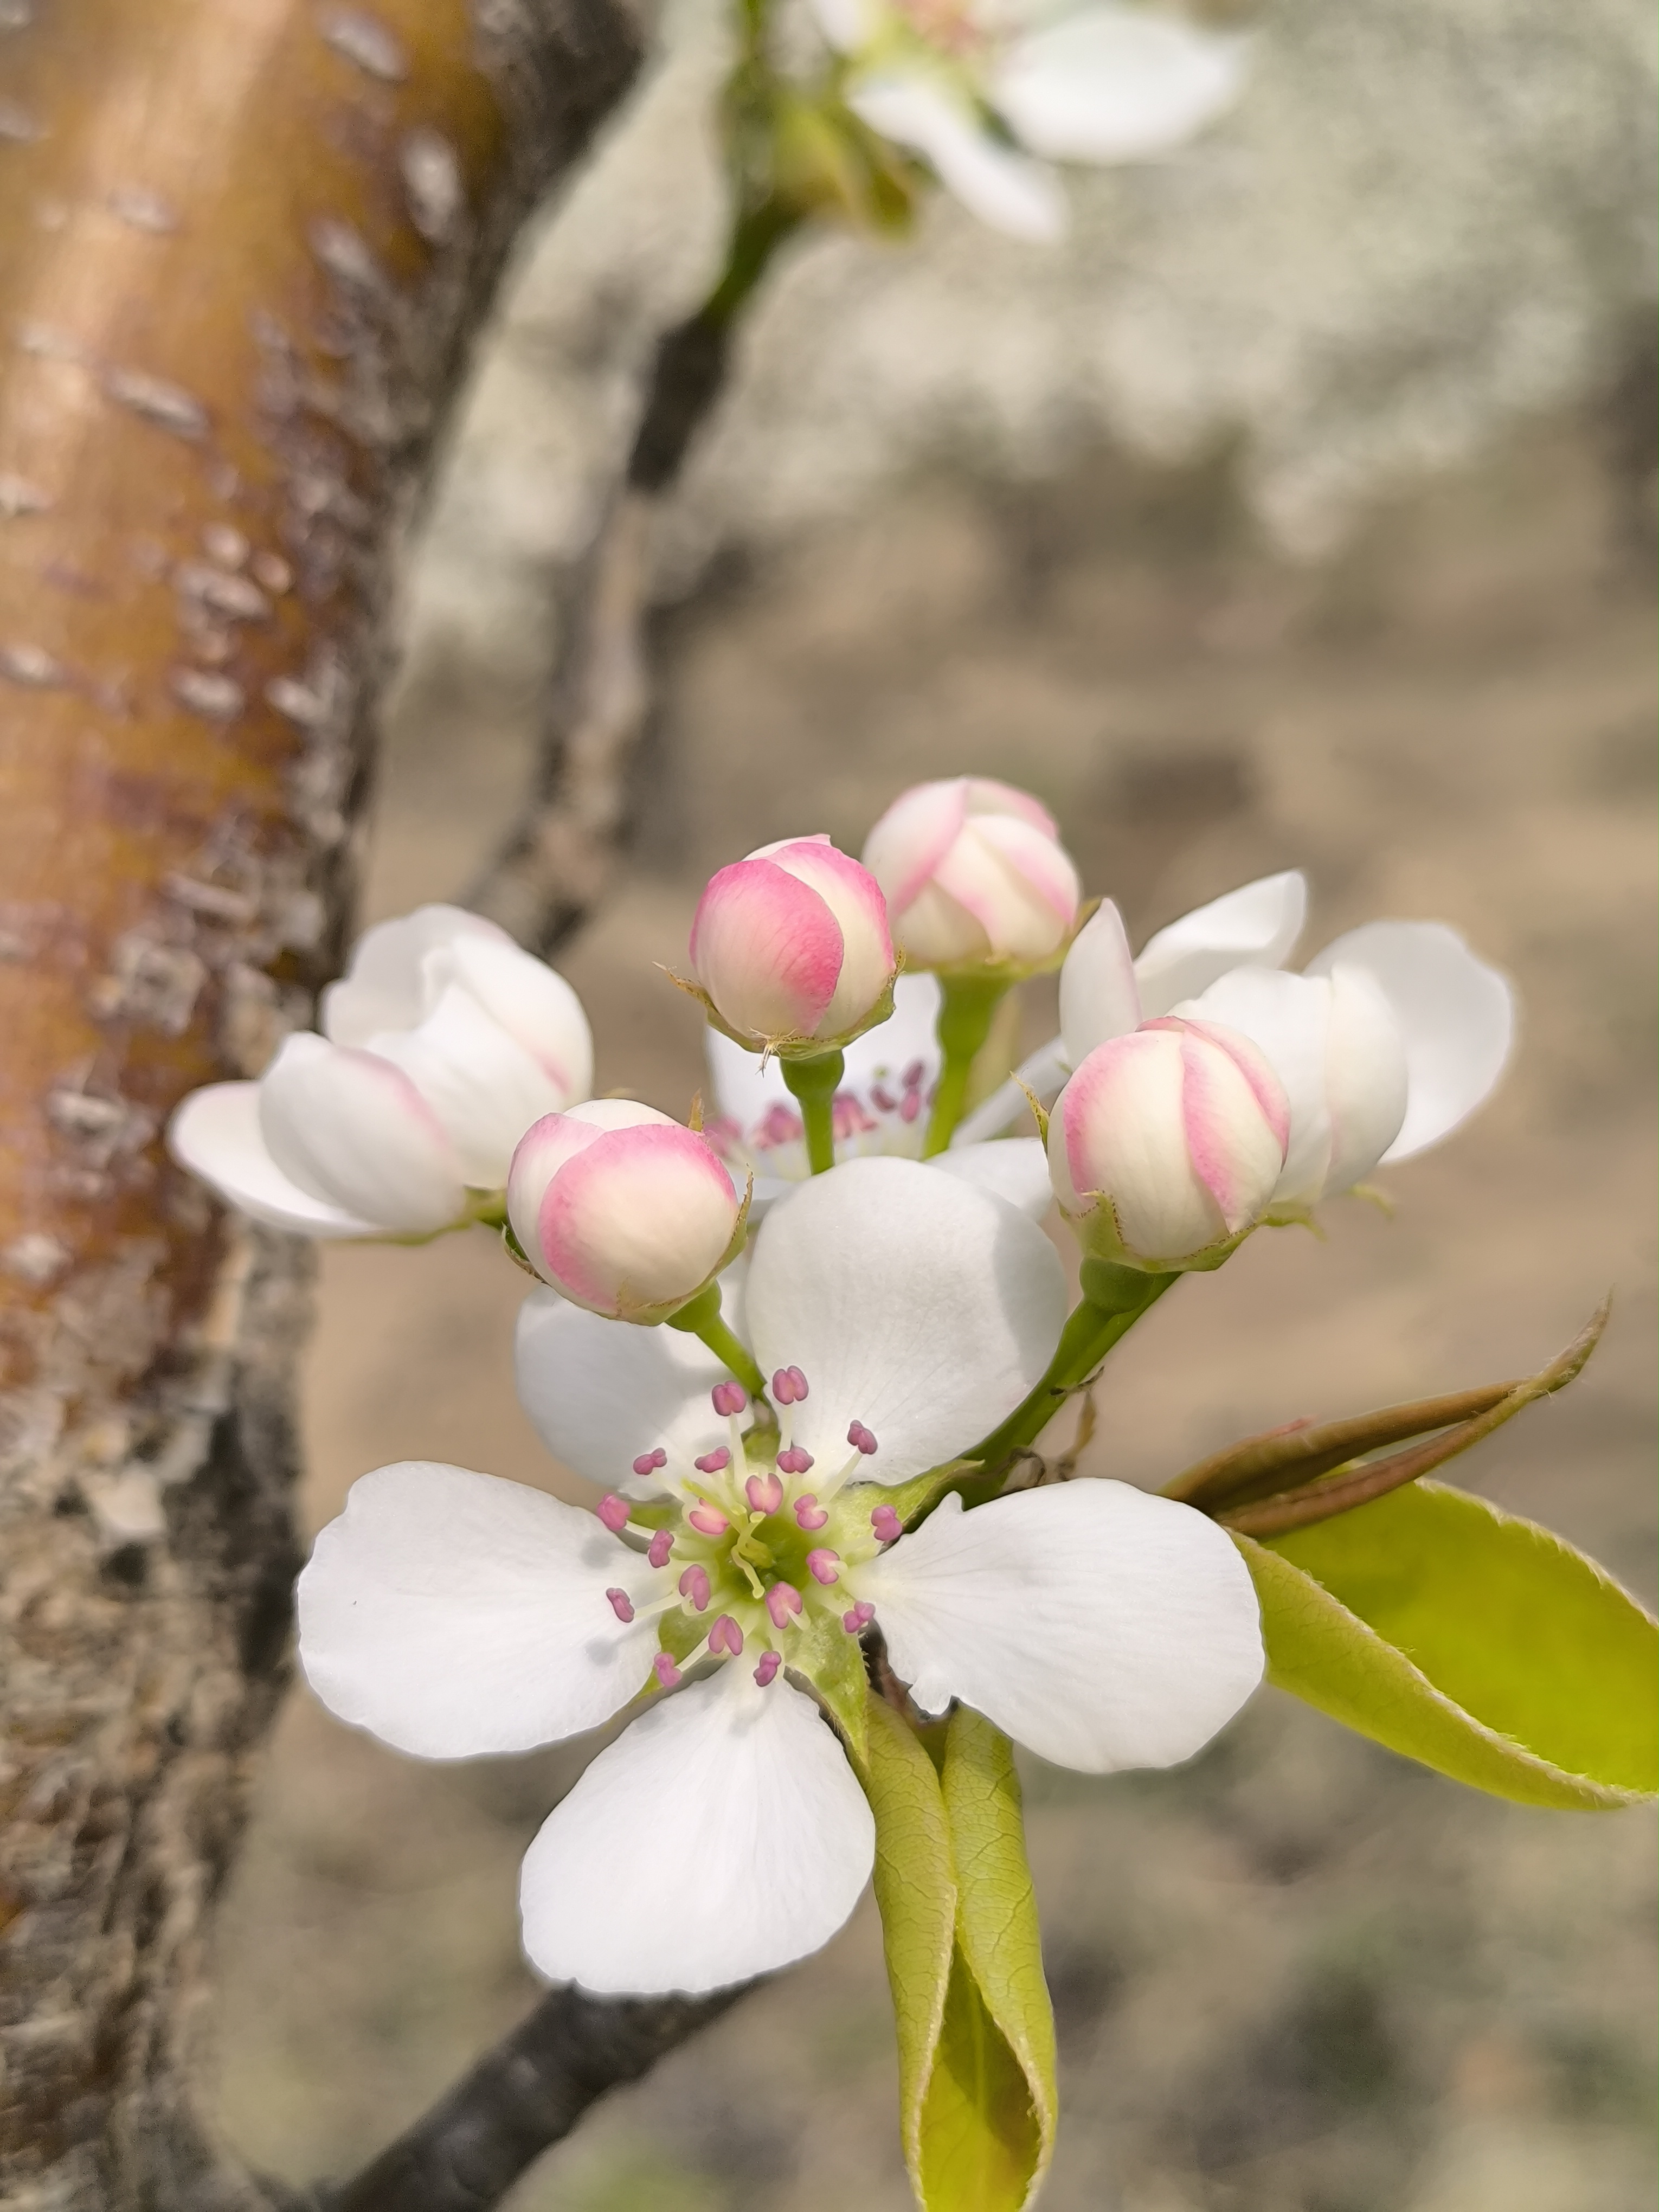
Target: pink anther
x,y
910,1106
789,1386
694,1584
766,1673
613,1511
793,1461
648,1462
859,1617
883,1098
783,1602
708,1520
808,1514
665,1671
887,1525
621,1604
729,1397
660,1546
726,1636
714,1462
823,1565
861,1438
764,1492
915,1075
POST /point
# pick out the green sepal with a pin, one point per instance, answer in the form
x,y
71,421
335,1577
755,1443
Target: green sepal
x,y
975,2034
1471,1640
849,1515
821,1649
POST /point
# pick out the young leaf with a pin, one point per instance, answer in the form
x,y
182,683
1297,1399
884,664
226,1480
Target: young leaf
x,y
975,2034
1470,1639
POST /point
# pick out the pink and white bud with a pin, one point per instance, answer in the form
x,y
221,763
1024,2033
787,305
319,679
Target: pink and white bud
x,y
622,1209
792,950
1167,1144
974,875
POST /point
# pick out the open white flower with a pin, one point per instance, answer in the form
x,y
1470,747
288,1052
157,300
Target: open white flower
x,y
980,87
881,1108
901,1314
441,1044
1389,1041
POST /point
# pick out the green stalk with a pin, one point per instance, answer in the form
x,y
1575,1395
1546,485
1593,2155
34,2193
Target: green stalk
x,y
702,1318
970,1007
813,1084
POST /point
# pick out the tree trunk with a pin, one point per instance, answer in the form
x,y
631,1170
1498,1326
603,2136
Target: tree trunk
x,y
243,246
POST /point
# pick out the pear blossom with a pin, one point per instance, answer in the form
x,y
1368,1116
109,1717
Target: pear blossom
x,y
975,876
1387,1041
441,1043
1168,1144
791,950
622,1209
980,87
881,1107
738,1550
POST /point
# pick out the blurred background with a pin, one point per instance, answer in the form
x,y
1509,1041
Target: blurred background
x,y
1298,512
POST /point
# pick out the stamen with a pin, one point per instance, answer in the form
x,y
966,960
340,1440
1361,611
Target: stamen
x,y
858,1618
800,1381
766,1673
793,1461
648,1462
788,1386
726,1636
708,1520
783,1602
665,1671
660,1546
621,1604
764,1492
729,1397
887,1525
822,1565
613,1511
861,1438
910,1106
694,1584
808,1514
714,1462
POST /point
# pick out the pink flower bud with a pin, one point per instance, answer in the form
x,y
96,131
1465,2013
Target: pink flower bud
x,y
791,947
1167,1143
974,873
622,1209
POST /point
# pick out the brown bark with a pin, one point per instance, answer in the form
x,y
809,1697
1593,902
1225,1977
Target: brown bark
x,y
243,244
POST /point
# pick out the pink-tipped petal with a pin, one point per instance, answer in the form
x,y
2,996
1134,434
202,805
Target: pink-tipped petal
x,y
767,950
854,898
1238,1123
640,1218
913,836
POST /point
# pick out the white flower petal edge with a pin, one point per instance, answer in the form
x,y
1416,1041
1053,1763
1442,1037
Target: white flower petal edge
x,y
603,1392
452,1613
349,1126
1116,84
918,1306
483,1086
1101,1627
1457,1014
723,1835
383,987
1012,1167
1003,188
215,1134
1256,926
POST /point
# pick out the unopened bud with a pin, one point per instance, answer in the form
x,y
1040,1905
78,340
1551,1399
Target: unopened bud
x,y
974,875
791,948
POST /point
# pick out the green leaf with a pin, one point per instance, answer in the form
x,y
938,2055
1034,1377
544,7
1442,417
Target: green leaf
x,y
1470,1639
975,2034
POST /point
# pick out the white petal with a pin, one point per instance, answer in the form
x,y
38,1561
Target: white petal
x,y
216,1133
483,1085
452,1614
1456,1012
532,1002
354,1129
722,1835
1012,1167
847,24
1001,187
384,987
1367,1076
922,1308
1289,1017
1116,84
1255,926
1100,1627
601,1393
1098,995
1043,1074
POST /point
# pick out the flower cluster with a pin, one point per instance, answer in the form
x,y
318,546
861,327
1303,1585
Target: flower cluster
x,y
787,1348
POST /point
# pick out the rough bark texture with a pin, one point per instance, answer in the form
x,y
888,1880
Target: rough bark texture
x,y
243,244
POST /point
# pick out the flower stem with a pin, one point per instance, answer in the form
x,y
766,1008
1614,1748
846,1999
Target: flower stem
x,y
813,1084
970,1007
701,1316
